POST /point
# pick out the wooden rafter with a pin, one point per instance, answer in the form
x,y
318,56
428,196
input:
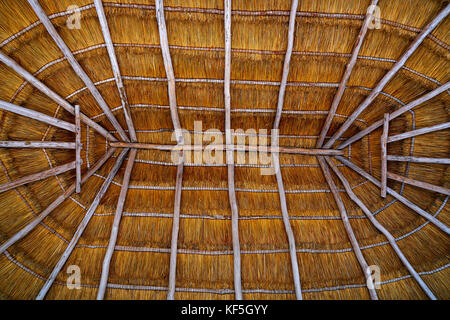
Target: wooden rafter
x,y
76,66
53,95
38,144
159,6
420,184
395,114
35,115
389,75
287,60
82,226
418,159
383,143
78,147
230,147
418,132
380,228
348,227
116,224
396,195
230,156
115,68
37,176
29,227
347,73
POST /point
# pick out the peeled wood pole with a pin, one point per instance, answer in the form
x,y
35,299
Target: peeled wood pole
x,y
230,156
397,66
29,227
382,229
36,116
232,147
287,60
348,227
115,68
115,226
37,176
420,184
78,161
396,195
347,73
180,140
384,137
418,159
82,226
37,144
418,132
395,114
76,66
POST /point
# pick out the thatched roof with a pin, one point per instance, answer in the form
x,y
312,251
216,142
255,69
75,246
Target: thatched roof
x,y
224,231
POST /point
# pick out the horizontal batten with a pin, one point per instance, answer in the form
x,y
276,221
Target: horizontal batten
x,y
37,144
419,132
420,184
418,159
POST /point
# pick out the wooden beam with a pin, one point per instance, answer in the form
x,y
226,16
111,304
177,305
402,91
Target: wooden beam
x,y
389,75
396,195
420,184
53,95
78,147
116,224
76,66
115,68
175,231
384,137
287,60
348,227
35,115
347,73
381,229
395,114
37,144
230,156
159,6
418,159
221,147
418,132
37,176
82,226
29,227
287,227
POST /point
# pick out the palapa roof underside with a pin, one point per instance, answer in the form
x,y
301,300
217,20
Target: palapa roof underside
x,y
324,37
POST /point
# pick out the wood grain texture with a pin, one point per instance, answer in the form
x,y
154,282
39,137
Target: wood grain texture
x,y
78,147
383,144
420,184
418,132
38,144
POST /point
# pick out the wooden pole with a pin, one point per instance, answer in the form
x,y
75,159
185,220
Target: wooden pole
x,y
35,115
396,195
53,95
81,227
380,228
221,147
78,147
116,224
29,227
384,137
159,6
420,184
348,227
230,156
418,132
395,114
287,60
418,159
37,176
347,73
37,144
76,66
389,75
115,68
